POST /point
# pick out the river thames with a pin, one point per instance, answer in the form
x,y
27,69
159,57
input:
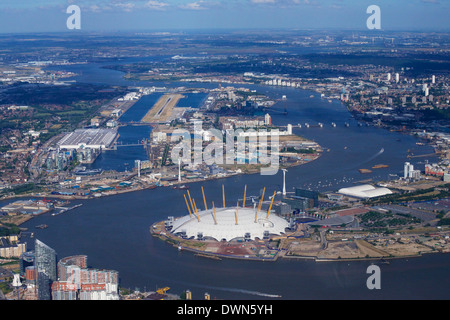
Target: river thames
x,y
114,231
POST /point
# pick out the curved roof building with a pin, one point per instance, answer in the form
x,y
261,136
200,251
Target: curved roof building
x,y
364,191
229,224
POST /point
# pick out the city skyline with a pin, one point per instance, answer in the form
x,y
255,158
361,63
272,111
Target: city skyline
x,y
127,15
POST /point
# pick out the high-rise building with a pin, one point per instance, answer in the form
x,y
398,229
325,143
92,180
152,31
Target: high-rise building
x,y
414,174
289,129
137,165
298,203
78,282
397,77
267,120
406,169
45,259
409,172
45,265
309,194
302,200
43,286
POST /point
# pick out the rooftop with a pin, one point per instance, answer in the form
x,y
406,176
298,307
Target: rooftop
x,y
88,138
230,224
364,191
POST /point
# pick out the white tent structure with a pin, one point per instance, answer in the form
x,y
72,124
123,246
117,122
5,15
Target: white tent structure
x,y
364,191
229,224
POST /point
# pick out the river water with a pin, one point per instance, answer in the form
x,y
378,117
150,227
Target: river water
x,y
114,231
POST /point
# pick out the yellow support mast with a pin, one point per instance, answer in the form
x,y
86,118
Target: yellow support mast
x,y
223,195
204,199
196,211
260,204
190,200
270,207
245,190
187,205
214,211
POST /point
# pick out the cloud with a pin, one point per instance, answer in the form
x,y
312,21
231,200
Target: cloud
x,y
285,3
198,5
120,5
306,2
156,5
94,8
127,7
263,1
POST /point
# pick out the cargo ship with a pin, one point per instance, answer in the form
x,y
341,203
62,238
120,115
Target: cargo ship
x,y
365,170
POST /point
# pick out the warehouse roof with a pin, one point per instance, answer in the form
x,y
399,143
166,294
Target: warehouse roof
x,y
88,138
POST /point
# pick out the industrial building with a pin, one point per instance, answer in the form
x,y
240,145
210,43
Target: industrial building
x,y
88,138
27,207
364,191
238,223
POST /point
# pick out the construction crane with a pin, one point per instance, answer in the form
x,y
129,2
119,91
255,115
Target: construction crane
x,y
162,290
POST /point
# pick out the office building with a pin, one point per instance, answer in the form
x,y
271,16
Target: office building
x,y
45,267
300,204
308,194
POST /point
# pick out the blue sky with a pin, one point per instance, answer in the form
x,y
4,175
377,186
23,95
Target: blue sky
x,y
124,15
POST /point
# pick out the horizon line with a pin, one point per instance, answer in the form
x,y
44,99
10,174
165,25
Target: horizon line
x,y
203,29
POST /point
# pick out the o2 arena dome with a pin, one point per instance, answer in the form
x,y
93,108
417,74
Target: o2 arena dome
x,y
227,223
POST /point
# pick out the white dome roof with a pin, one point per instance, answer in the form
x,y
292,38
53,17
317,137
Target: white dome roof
x,y
364,191
226,227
